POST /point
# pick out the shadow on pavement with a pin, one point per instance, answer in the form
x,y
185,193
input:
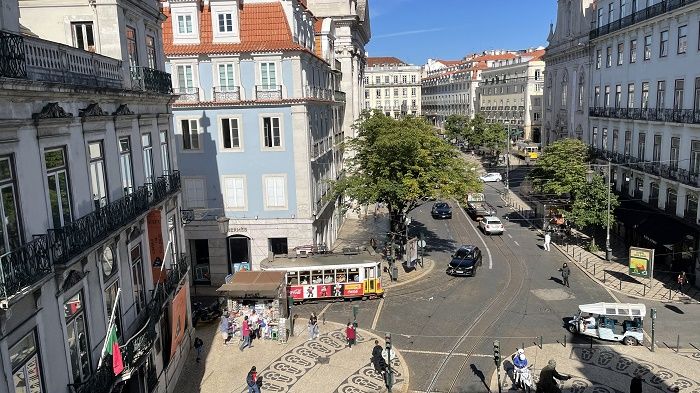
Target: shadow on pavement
x,y
674,309
479,374
433,242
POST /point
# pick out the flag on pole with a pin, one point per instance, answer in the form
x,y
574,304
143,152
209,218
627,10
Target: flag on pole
x,y
111,338
112,346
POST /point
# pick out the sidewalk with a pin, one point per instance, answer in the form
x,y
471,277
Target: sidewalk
x,y
323,365
613,274
610,368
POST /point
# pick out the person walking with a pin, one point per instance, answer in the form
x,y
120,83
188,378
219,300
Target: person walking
x,y
198,344
547,240
682,279
254,322
565,272
245,331
224,327
350,333
377,358
547,384
313,326
252,381
636,385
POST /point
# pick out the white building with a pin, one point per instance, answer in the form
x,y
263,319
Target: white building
x,y
90,200
511,94
392,86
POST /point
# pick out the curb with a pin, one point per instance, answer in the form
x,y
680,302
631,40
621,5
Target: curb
x,y
401,360
423,273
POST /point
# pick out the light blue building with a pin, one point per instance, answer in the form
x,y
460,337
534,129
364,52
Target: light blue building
x,y
258,124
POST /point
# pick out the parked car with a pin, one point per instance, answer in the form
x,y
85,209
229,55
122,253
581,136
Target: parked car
x,y
491,177
465,261
491,225
441,210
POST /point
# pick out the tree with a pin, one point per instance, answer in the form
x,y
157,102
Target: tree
x,y
561,169
457,126
590,205
494,137
400,162
477,130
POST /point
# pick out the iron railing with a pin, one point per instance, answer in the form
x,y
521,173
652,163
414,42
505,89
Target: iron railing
x,y
148,79
683,116
670,172
227,94
268,92
639,16
24,266
187,94
338,96
12,60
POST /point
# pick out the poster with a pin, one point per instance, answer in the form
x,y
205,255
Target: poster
x,y
299,292
241,266
155,245
352,290
309,291
296,292
641,262
178,318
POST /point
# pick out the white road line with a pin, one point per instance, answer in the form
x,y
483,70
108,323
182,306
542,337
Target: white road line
x,y
488,251
324,309
509,235
478,355
516,243
376,314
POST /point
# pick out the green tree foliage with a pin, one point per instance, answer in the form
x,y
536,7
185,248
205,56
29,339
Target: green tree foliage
x,y
590,204
456,127
561,169
400,162
477,130
494,138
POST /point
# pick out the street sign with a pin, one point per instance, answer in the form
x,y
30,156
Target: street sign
x,y
421,243
641,262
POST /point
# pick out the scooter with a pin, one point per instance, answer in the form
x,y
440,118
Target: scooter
x,y
523,379
200,313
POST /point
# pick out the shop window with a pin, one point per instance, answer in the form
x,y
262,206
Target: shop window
x,y
278,246
26,371
77,338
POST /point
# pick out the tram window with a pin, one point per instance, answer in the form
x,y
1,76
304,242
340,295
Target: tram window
x,y
317,277
340,275
354,275
292,278
328,276
304,278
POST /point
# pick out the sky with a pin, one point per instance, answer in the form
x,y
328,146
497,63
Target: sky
x,y
416,30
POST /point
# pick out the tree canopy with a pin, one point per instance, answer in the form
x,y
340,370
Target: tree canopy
x,y
561,169
400,162
590,204
476,132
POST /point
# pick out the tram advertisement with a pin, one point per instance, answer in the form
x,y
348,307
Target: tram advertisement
x,y
321,291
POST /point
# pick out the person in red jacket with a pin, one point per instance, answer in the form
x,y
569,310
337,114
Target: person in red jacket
x,y
350,333
245,331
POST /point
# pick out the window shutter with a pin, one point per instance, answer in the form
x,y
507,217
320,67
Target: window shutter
x,y
226,133
270,191
279,191
186,140
239,192
195,194
194,134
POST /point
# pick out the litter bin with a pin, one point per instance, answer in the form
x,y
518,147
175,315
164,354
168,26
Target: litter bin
x,y
394,273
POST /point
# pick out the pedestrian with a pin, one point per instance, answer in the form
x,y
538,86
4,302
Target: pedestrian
x,y
636,385
198,344
350,334
254,322
377,358
313,326
547,240
252,381
224,327
681,280
245,331
565,272
547,384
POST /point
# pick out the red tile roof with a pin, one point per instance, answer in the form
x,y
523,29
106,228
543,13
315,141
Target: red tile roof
x,y
535,55
502,56
378,61
450,62
263,28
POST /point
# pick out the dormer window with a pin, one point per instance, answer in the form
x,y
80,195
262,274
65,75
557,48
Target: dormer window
x,y
225,22
184,24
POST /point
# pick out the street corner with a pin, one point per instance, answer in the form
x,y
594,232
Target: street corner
x,y
411,276
610,368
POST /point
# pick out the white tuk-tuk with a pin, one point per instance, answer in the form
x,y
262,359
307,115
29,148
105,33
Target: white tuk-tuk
x,y
610,321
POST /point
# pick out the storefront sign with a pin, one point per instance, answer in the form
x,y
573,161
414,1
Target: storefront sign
x,y
178,319
239,229
155,245
641,262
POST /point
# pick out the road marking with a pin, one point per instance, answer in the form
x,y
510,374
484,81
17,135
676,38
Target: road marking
x,y
488,251
376,314
516,243
509,235
477,355
324,309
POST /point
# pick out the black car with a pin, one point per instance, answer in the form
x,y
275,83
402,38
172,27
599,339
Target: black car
x,y
465,261
441,210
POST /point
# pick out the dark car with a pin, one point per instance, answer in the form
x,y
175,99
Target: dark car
x,y
441,210
465,261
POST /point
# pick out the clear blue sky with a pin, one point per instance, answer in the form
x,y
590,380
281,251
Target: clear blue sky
x,y
415,30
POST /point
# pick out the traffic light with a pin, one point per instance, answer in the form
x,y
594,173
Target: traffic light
x,y
387,339
355,309
497,352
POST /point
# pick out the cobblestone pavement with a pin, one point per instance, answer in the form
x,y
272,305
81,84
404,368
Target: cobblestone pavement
x,y
323,365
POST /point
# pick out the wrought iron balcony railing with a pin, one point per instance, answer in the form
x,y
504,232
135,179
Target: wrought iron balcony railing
x,y
338,96
13,63
148,79
187,94
639,16
683,116
29,264
227,93
670,172
268,92
318,93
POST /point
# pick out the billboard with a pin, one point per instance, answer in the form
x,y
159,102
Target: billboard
x,y
320,291
641,262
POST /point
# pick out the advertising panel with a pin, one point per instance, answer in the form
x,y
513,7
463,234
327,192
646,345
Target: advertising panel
x,y
178,321
352,290
299,292
155,245
641,262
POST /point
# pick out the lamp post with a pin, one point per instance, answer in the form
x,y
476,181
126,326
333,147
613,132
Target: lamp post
x,y
589,179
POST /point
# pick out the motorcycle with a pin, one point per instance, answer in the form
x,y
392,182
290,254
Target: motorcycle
x,y
201,313
523,379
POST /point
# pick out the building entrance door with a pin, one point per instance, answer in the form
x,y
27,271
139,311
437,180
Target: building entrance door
x,y
238,250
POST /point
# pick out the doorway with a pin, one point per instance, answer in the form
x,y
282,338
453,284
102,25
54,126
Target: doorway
x,y
199,250
238,250
278,245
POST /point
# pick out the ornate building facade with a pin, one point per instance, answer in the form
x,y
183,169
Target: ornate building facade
x,y
393,87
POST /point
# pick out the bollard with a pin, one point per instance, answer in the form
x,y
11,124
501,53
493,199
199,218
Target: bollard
x,y
593,268
591,342
669,294
678,343
604,275
540,342
620,284
644,289
564,340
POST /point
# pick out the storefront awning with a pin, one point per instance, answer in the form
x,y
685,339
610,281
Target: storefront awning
x,y
254,285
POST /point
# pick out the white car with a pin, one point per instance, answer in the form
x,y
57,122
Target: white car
x,y
491,225
491,177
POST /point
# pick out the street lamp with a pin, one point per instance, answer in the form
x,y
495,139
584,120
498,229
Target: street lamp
x,y
589,179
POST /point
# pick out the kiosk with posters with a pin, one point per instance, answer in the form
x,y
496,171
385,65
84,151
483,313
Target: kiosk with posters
x,y
262,292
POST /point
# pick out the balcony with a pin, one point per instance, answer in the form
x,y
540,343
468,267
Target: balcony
x,y
338,96
268,92
318,93
682,116
670,172
187,95
639,16
29,264
148,79
227,94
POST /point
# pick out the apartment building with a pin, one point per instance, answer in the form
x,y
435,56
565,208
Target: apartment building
x,y
511,94
90,211
393,87
259,123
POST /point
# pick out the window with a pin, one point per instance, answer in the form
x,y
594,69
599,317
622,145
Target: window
x,y
660,94
24,358
618,96
271,132
147,157
386,79
580,96
596,96
377,80
268,76
137,279
379,93
598,59
11,237
663,44
607,97
604,139
404,92
164,152
98,184
630,95
641,146
671,200
633,51
691,205
190,134
194,193
608,57
184,24
647,47
230,135
396,92
225,22
694,157
675,153
185,78
59,188
279,246
682,39
600,17
611,12
656,152
696,104
413,91
645,95
628,143
413,79
131,46
594,137
564,92
275,192
620,53
226,77
77,337
615,140
404,78
83,36
234,192
110,300
678,90
623,8
151,52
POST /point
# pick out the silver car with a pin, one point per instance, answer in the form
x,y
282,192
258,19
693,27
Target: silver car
x,y
491,225
491,177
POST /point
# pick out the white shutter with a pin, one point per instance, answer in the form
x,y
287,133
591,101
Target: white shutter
x,y
270,191
194,193
235,192
278,183
194,134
